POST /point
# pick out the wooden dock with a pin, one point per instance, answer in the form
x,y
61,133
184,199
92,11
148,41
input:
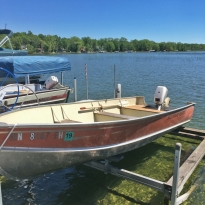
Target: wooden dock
x,y
175,184
188,167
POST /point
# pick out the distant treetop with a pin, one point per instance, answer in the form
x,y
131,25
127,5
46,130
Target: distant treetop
x,y
53,43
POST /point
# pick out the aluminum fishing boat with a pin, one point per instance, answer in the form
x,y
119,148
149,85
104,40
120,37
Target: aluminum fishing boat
x,y
42,139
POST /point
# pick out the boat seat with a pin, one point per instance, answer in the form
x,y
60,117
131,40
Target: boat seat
x,y
67,121
143,108
114,115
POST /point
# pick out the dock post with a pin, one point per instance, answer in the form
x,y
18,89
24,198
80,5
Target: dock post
x,y
177,156
75,90
27,79
118,91
61,77
1,202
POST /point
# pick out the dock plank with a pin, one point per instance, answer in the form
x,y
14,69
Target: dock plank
x,y
189,166
189,130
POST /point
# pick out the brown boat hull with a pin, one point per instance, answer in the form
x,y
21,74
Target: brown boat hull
x,y
33,150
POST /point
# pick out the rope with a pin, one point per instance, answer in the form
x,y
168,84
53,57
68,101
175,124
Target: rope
x,y
7,136
63,112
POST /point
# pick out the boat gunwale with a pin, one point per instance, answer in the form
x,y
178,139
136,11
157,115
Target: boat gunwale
x,y
37,92
26,125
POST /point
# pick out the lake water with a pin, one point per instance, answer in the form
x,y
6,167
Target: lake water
x,y
139,74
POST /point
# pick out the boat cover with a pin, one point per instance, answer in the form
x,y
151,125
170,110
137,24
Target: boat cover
x,y
34,65
6,31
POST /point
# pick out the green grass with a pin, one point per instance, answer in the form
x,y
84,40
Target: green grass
x,y
155,160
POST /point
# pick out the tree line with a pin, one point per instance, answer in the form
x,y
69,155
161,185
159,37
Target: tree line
x,y
53,43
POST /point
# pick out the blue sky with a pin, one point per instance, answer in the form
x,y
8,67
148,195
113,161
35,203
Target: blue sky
x,y
157,20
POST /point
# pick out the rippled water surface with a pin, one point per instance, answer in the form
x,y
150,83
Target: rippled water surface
x,y
139,74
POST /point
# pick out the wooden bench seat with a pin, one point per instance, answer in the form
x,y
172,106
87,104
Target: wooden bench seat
x,y
114,115
143,108
67,121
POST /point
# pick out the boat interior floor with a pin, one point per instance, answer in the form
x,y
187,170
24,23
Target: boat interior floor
x,y
85,112
114,114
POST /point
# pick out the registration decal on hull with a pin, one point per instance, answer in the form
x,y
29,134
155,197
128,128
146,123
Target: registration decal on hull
x,y
68,136
32,136
19,136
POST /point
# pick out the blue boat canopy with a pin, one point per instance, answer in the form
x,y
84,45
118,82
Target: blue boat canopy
x,y
8,32
34,65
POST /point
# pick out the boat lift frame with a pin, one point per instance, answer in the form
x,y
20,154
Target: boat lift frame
x,y
175,184
6,38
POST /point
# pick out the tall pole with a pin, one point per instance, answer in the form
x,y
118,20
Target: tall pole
x,y
114,83
86,78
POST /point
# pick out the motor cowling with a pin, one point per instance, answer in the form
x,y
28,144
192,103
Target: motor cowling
x,y
51,82
160,95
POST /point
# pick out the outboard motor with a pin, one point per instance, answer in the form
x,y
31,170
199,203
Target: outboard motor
x,y
160,97
51,82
